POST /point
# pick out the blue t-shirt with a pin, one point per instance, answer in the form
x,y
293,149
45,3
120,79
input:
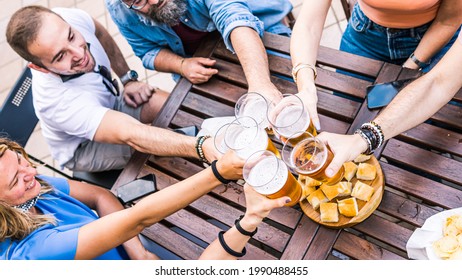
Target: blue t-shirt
x,y
58,242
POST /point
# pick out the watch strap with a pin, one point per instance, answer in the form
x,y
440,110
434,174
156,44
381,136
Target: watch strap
x,y
127,77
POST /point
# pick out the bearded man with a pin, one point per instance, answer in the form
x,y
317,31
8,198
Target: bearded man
x,y
165,33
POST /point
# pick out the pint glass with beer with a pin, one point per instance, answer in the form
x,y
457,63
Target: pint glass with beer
x,y
269,176
309,156
289,116
244,136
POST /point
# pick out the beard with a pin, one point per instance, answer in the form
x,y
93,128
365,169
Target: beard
x,y
170,13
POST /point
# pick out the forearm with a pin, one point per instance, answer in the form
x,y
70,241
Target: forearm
x,y
306,36
233,238
143,138
252,55
442,29
118,63
106,233
424,97
167,61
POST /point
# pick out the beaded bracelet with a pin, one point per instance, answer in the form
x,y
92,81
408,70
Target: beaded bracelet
x,y
372,133
243,231
200,152
227,248
363,135
376,129
217,174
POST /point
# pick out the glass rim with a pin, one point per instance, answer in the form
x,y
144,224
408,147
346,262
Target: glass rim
x,y
237,122
268,112
246,95
259,156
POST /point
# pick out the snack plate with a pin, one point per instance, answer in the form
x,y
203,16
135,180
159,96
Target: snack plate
x,y
435,224
365,209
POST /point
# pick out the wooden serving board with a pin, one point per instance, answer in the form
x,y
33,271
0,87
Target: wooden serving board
x,y
365,209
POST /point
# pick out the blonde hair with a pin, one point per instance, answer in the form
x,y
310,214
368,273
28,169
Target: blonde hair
x,y
16,224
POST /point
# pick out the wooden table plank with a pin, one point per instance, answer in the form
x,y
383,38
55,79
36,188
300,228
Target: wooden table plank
x,y
426,161
434,137
421,187
361,249
301,239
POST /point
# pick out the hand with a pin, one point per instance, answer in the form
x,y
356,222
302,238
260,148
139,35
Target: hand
x,y
309,96
345,148
198,69
136,93
210,152
258,207
230,166
269,91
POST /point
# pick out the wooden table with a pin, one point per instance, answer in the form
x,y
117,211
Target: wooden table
x,y
422,176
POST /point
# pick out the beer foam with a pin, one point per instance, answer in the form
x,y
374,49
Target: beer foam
x,y
257,111
263,173
247,143
290,120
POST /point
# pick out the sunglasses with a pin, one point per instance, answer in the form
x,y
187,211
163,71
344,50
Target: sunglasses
x,y
111,84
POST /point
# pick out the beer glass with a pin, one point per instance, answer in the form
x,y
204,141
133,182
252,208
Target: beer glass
x,y
289,116
244,136
269,176
254,105
310,156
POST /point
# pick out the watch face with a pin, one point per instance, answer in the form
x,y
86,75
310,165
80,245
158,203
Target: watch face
x,y
133,75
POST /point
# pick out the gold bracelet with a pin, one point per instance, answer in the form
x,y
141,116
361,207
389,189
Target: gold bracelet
x,y
301,66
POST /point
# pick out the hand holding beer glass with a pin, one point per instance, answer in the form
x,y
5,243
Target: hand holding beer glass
x,y
243,136
269,176
309,156
289,116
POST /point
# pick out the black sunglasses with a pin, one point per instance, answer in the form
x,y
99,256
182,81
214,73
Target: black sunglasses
x,y
111,84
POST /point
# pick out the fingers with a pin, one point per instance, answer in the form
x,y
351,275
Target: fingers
x,y
206,61
280,202
129,101
334,166
314,116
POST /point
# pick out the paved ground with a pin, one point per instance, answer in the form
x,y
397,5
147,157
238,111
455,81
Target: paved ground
x,y
11,64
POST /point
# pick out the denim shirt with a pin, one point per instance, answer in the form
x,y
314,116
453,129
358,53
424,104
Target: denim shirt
x,y
148,37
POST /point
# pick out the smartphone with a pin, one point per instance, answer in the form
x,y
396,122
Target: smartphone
x,y
188,130
380,95
137,189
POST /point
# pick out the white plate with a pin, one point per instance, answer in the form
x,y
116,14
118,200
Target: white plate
x,y
419,246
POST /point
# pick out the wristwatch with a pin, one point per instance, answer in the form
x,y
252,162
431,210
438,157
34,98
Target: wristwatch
x,y
131,75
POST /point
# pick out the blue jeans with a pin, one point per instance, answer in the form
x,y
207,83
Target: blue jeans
x,y
366,38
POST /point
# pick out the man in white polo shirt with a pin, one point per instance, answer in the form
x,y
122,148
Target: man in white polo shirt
x,y
88,122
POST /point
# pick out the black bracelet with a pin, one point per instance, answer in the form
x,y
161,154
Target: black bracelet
x,y
418,62
226,247
217,174
243,231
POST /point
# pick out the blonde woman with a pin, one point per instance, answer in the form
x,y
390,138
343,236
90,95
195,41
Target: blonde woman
x,y
51,218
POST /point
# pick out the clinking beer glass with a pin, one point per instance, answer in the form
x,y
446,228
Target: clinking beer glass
x,y
307,155
269,176
289,116
254,105
244,136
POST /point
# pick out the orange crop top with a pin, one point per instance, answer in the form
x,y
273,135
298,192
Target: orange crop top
x,y
400,13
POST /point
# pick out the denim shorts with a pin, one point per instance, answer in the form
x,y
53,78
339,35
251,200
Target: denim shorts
x,y
366,38
95,156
